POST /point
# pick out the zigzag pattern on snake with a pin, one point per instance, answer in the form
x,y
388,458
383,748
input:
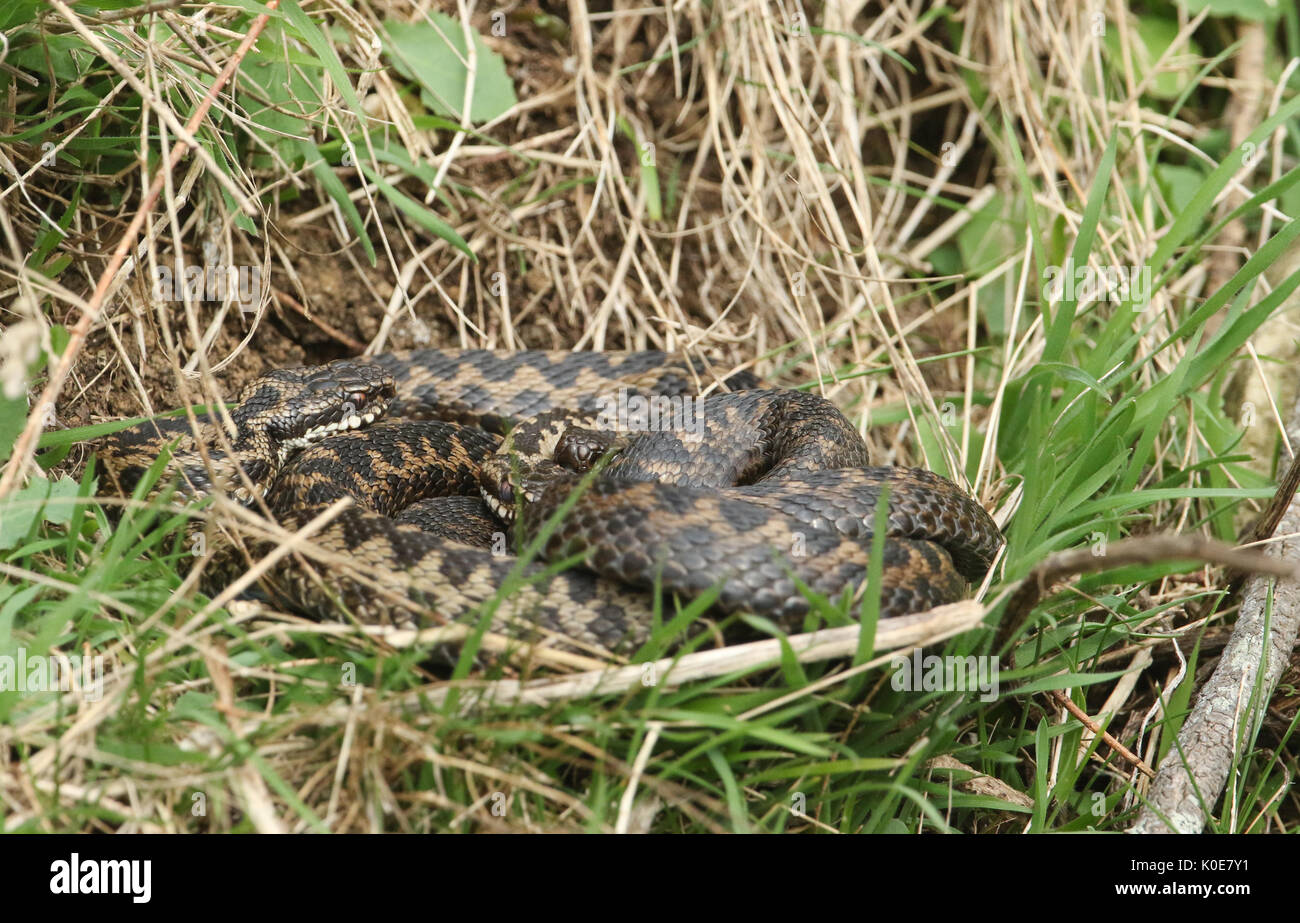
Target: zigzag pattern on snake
x,y
760,492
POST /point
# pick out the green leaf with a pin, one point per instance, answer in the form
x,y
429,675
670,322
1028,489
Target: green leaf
x,y
328,59
836,767
1178,184
989,237
20,510
1059,328
335,189
1072,373
434,56
418,213
1067,681
645,156
13,417
1250,10
1204,199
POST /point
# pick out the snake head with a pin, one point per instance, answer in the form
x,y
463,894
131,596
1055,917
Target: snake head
x,y
524,465
553,446
509,482
292,408
579,448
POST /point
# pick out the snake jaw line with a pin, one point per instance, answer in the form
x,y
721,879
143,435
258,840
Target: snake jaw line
x,y
316,433
499,509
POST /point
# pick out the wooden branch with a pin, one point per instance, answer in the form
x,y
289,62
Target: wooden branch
x,y
1152,549
905,631
324,326
1068,704
1232,702
1235,698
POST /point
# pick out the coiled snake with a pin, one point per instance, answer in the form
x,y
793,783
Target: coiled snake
x,y
609,460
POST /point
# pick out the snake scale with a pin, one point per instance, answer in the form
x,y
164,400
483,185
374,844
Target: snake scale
x,y
746,492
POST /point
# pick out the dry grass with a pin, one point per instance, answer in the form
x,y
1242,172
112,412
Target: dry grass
x,y
813,176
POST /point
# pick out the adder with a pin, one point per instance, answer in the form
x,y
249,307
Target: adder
x,y
451,459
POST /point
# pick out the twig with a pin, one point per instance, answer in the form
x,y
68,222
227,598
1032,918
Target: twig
x,y
918,630
1068,704
327,328
1236,695
628,801
1266,525
1147,550
25,445
137,11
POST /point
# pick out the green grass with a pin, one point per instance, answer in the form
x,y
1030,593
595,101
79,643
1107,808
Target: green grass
x,y
1117,426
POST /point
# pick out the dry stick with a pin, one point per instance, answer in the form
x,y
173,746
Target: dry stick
x,y
1268,520
325,327
1068,704
26,444
137,11
1130,551
918,630
1226,712
1148,550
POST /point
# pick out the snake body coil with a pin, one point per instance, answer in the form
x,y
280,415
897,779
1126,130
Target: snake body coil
x,y
752,493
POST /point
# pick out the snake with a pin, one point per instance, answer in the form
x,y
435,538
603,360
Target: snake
x,y
566,497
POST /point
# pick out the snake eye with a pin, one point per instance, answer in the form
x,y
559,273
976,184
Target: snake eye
x,y
506,492
358,399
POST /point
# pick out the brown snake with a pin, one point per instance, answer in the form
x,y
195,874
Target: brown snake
x,y
751,494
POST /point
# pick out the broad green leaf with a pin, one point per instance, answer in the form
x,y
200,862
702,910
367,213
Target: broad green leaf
x,y
434,55
1250,10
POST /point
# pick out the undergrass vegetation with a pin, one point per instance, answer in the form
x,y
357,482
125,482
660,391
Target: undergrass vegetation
x,y
1023,249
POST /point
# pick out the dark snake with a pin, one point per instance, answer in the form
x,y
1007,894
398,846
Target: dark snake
x,y
752,495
